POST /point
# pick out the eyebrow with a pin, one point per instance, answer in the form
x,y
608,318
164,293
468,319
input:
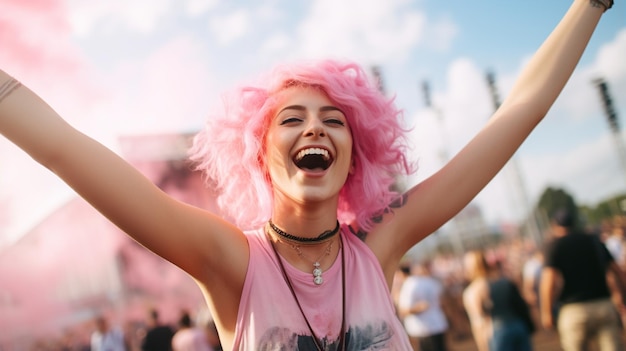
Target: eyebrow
x,y
302,108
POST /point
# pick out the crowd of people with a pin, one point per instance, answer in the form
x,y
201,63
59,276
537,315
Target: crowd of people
x,y
572,283
192,331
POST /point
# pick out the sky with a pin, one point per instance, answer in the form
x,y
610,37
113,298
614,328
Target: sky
x,y
117,68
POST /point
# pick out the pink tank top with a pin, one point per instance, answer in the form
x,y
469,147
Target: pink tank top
x,y
269,317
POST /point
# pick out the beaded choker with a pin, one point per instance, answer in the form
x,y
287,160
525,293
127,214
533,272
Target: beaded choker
x,y
302,240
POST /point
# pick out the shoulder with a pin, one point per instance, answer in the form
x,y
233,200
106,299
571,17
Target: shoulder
x,y
470,291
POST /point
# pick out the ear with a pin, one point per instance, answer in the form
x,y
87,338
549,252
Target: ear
x,y
352,167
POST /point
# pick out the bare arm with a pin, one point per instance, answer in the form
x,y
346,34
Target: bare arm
x,y
528,289
547,295
416,308
188,237
437,199
480,323
617,282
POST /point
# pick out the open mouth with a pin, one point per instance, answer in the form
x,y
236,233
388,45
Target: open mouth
x,y
313,158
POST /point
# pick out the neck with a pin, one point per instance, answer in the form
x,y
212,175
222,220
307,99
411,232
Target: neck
x,y
306,220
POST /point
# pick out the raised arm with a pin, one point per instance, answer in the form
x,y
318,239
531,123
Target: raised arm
x,y
431,203
186,236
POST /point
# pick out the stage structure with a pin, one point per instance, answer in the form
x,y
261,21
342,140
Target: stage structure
x,y
75,264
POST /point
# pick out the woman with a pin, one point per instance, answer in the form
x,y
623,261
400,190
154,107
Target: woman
x,y
312,150
499,316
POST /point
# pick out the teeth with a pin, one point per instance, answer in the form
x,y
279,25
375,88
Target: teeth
x,y
313,151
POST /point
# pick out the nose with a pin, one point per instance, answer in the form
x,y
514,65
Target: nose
x,y
315,127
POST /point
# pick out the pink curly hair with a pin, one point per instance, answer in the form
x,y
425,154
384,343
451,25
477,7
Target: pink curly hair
x,y
230,150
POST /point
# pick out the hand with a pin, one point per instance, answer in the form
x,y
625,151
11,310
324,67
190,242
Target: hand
x,y
621,307
419,307
547,321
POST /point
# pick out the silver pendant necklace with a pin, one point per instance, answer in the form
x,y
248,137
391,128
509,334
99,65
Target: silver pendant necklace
x,y
317,266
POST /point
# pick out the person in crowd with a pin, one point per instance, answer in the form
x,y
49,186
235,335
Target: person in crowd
x,y
419,306
575,278
531,277
212,335
403,272
310,230
615,241
107,338
188,337
499,316
158,336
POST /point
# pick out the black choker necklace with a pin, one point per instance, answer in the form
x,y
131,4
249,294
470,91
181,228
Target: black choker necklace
x,y
316,240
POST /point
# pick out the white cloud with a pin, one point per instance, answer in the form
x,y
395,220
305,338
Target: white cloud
x,y
611,65
610,60
228,28
468,104
457,115
111,16
373,30
275,44
166,92
591,172
440,34
195,8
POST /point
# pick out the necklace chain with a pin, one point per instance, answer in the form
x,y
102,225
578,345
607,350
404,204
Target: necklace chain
x,y
317,267
325,236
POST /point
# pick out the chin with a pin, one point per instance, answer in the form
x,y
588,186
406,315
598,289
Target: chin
x,y
317,195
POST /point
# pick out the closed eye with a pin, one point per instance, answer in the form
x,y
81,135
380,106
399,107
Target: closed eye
x,y
334,121
290,120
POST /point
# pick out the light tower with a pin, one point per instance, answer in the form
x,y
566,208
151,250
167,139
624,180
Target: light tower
x,y
611,116
519,185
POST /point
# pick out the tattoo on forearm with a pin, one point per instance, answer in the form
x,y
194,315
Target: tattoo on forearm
x,y
8,87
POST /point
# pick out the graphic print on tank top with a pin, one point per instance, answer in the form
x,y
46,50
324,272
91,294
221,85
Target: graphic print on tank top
x,y
371,337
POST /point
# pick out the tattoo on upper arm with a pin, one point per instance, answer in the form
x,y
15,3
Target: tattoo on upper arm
x,y
8,87
398,202
359,233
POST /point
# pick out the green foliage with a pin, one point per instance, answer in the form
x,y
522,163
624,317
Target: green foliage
x,y
553,199
608,209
